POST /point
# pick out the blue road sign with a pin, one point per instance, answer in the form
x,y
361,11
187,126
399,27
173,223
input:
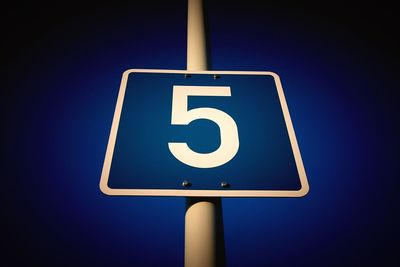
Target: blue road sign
x,y
207,133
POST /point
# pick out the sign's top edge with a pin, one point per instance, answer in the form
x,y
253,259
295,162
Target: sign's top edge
x,y
200,72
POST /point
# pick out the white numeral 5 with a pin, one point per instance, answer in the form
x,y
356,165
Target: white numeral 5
x,y
181,116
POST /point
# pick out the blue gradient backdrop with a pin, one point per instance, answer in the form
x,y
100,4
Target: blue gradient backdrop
x,y
61,73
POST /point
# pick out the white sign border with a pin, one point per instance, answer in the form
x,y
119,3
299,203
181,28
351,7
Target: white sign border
x,y
193,192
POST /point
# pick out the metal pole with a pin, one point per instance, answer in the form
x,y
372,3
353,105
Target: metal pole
x,y
196,37
204,233
204,242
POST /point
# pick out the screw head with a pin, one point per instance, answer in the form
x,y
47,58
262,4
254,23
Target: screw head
x,y
225,184
216,76
186,183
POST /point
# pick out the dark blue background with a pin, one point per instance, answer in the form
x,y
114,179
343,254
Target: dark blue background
x,y
61,69
142,159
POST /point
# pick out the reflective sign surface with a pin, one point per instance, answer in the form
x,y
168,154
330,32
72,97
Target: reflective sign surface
x,y
202,133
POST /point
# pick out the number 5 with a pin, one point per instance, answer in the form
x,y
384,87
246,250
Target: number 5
x,y
181,116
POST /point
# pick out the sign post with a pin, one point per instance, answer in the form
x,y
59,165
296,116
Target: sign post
x,y
203,217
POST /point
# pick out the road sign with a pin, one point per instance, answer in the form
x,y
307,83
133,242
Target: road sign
x,y
202,133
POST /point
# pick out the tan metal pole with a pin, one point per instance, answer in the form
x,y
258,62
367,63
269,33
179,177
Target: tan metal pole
x,y
196,37
204,245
